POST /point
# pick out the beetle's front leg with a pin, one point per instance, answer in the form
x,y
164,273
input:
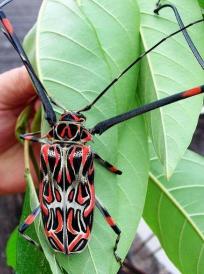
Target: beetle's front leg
x,y
107,165
32,137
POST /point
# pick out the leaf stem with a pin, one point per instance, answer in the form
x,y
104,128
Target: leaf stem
x,y
26,158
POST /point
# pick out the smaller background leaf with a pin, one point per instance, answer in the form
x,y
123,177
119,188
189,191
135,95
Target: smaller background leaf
x,y
201,2
169,69
11,249
175,211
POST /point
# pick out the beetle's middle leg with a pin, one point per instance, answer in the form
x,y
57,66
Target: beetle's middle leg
x,y
114,227
107,165
26,224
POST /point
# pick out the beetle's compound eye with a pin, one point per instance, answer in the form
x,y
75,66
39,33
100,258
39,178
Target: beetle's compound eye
x,y
73,117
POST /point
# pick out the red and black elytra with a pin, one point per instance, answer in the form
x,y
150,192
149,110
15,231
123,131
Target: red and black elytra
x,y
67,196
66,191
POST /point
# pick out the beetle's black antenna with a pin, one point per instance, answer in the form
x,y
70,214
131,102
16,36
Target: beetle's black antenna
x,y
88,107
4,3
11,36
101,127
184,31
158,3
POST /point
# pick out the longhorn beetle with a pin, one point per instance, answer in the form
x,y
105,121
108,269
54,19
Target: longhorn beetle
x,y
67,197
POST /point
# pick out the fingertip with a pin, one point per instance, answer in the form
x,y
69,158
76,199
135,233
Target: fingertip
x,y
23,81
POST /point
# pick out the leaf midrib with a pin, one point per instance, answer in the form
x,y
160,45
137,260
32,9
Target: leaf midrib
x,y
176,204
154,83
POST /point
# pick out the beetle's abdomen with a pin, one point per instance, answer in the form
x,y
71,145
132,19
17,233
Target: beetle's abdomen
x,y
67,196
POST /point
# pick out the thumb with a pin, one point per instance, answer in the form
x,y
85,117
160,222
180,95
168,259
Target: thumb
x,y
16,88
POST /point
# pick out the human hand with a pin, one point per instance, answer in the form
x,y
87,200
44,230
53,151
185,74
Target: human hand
x,y
16,91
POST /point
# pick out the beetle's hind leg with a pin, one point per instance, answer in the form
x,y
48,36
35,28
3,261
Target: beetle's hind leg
x,y
27,223
107,165
118,259
110,221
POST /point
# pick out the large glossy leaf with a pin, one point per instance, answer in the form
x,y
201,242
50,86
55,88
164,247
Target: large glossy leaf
x,y
171,68
174,210
80,47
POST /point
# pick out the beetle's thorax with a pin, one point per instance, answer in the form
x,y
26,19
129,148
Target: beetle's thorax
x,y
68,131
71,128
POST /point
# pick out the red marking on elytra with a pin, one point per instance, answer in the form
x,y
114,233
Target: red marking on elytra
x,y
68,176
192,92
50,197
7,24
57,195
80,198
91,170
60,222
91,206
110,221
45,149
42,206
71,157
70,221
59,177
71,196
51,234
85,153
78,238
57,156
44,209
40,191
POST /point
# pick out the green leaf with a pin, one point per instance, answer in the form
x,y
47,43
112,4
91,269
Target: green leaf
x,y
11,249
201,2
174,210
22,122
29,46
171,68
80,47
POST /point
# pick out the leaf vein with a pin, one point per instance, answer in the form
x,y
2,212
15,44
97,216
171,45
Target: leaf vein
x,y
70,39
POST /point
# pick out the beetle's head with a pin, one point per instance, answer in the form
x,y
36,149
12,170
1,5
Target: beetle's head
x,y
73,117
